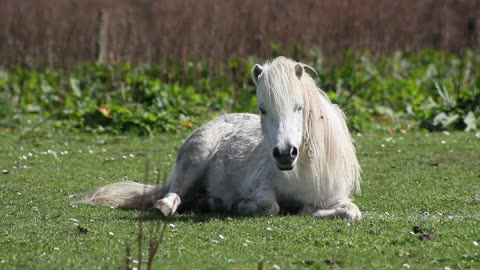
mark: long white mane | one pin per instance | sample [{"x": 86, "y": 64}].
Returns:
[{"x": 326, "y": 145}]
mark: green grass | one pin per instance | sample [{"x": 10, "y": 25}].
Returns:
[{"x": 413, "y": 180}]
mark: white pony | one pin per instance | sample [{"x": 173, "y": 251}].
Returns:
[{"x": 296, "y": 157}]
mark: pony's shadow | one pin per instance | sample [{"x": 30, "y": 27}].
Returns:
[
  {"x": 198, "y": 216},
  {"x": 187, "y": 216}
]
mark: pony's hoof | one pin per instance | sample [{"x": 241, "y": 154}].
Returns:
[
  {"x": 346, "y": 211},
  {"x": 169, "y": 204},
  {"x": 349, "y": 211}
]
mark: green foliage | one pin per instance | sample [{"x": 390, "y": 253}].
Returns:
[{"x": 429, "y": 89}]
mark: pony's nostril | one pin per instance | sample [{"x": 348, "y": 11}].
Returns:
[
  {"x": 293, "y": 152},
  {"x": 276, "y": 152}
]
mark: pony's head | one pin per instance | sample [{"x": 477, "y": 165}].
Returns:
[{"x": 281, "y": 104}]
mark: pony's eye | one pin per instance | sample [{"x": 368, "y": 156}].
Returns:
[
  {"x": 262, "y": 111},
  {"x": 298, "y": 109}
]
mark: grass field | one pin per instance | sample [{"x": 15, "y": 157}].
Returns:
[{"x": 430, "y": 181}]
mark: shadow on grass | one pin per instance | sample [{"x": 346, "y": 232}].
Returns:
[{"x": 190, "y": 216}]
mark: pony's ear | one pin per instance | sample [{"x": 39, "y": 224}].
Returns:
[
  {"x": 298, "y": 70},
  {"x": 256, "y": 71}
]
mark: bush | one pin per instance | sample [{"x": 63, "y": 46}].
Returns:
[{"x": 430, "y": 89}]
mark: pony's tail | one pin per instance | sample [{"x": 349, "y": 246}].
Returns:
[{"x": 128, "y": 194}]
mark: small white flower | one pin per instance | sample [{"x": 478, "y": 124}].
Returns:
[
  {"x": 18, "y": 193},
  {"x": 111, "y": 233},
  {"x": 131, "y": 155},
  {"x": 74, "y": 206},
  {"x": 475, "y": 243},
  {"x": 269, "y": 229},
  {"x": 248, "y": 241},
  {"x": 135, "y": 261},
  {"x": 215, "y": 241},
  {"x": 447, "y": 268},
  {"x": 104, "y": 150},
  {"x": 90, "y": 151},
  {"x": 124, "y": 156},
  {"x": 412, "y": 233},
  {"x": 406, "y": 265},
  {"x": 221, "y": 236},
  {"x": 171, "y": 225},
  {"x": 450, "y": 218},
  {"x": 348, "y": 224},
  {"x": 382, "y": 145},
  {"x": 74, "y": 220},
  {"x": 399, "y": 150},
  {"x": 443, "y": 142},
  {"x": 35, "y": 208},
  {"x": 388, "y": 139},
  {"x": 276, "y": 267},
  {"x": 359, "y": 134},
  {"x": 477, "y": 134},
  {"x": 231, "y": 261},
  {"x": 56, "y": 248},
  {"x": 446, "y": 133}
]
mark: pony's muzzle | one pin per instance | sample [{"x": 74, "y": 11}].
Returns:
[{"x": 285, "y": 158}]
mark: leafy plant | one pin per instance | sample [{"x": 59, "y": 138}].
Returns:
[{"x": 433, "y": 88}]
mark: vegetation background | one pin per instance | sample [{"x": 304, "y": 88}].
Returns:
[{"x": 66, "y": 33}]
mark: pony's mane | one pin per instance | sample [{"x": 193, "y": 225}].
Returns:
[{"x": 327, "y": 146}]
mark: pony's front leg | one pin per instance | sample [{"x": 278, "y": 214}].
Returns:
[
  {"x": 263, "y": 202},
  {"x": 341, "y": 209}
]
